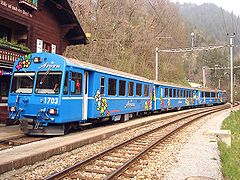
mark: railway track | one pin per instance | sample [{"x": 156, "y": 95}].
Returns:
[
  {"x": 114, "y": 162},
  {"x": 18, "y": 141}
]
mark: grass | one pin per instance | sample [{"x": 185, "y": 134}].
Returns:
[{"x": 230, "y": 156}]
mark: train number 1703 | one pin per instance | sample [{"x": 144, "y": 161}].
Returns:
[{"x": 50, "y": 100}]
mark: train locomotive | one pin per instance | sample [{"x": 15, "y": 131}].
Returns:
[{"x": 51, "y": 94}]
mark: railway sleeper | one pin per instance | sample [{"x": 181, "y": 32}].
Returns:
[
  {"x": 115, "y": 166},
  {"x": 97, "y": 171}
]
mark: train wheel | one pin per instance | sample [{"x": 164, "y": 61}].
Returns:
[{"x": 67, "y": 128}]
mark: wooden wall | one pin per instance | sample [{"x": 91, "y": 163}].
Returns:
[{"x": 41, "y": 23}]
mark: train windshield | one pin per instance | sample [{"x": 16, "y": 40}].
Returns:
[
  {"x": 48, "y": 82},
  {"x": 22, "y": 82}
]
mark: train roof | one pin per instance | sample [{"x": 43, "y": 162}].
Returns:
[
  {"x": 173, "y": 85},
  {"x": 106, "y": 70}
]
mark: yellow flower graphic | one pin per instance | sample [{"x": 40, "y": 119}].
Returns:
[
  {"x": 26, "y": 63},
  {"x": 102, "y": 104}
]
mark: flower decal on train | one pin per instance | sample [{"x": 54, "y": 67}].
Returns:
[
  {"x": 19, "y": 65},
  {"x": 162, "y": 101},
  {"x": 102, "y": 105},
  {"x": 221, "y": 100},
  {"x": 24, "y": 62},
  {"x": 97, "y": 96},
  {"x": 152, "y": 95},
  {"x": 187, "y": 101},
  {"x": 169, "y": 102},
  {"x": 148, "y": 104}
]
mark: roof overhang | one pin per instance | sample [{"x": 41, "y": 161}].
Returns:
[{"x": 71, "y": 28}]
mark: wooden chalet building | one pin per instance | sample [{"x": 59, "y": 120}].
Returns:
[{"x": 33, "y": 26}]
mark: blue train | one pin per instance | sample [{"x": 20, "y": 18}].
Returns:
[{"x": 50, "y": 94}]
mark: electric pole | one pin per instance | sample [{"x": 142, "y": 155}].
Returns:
[
  {"x": 231, "y": 67},
  {"x": 156, "y": 64},
  {"x": 204, "y": 77}
]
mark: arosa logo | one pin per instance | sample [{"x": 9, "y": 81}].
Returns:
[{"x": 50, "y": 66}]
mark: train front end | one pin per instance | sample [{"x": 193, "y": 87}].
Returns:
[{"x": 34, "y": 96}]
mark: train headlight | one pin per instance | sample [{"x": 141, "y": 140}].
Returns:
[
  {"x": 12, "y": 108},
  {"x": 37, "y": 60},
  {"x": 52, "y": 111}
]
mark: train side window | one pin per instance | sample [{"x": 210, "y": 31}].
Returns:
[
  {"x": 178, "y": 93},
  {"x": 77, "y": 78},
  {"x": 188, "y": 94},
  {"x": 146, "y": 90},
  {"x": 102, "y": 85},
  {"x": 138, "y": 89},
  {"x": 207, "y": 94},
  {"x": 130, "y": 88},
  {"x": 166, "y": 92},
  {"x": 65, "y": 90},
  {"x": 181, "y": 93},
  {"x": 170, "y": 92},
  {"x": 174, "y": 93},
  {"x": 112, "y": 83},
  {"x": 122, "y": 88}
]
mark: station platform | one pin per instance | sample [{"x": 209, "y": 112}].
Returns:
[
  {"x": 7, "y": 132},
  {"x": 27, "y": 154}
]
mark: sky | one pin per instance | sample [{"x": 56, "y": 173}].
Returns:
[{"x": 229, "y": 5}]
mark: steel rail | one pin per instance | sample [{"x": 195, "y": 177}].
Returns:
[
  {"x": 131, "y": 161},
  {"x": 73, "y": 168}
]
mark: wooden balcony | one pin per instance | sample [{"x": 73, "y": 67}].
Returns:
[
  {"x": 29, "y": 4},
  {"x": 10, "y": 55}
]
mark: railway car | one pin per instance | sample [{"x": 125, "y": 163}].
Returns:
[
  {"x": 51, "y": 94},
  {"x": 208, "y": 97},
  {"x": 172, "y": 96}
]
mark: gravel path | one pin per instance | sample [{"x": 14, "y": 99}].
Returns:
[{"x": 200, "y": 155}]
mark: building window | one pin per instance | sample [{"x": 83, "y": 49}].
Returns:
[
  {"x": 139, "y": 89},
  {"x": 43, "y": 46},
  {"x": 102, "y": 86},
  {"x": 146, "y": 90},
  {"x": 130, "y": 88},
  {"x": 112, "y": 87},
  {"x": 46, "y": 47},
  {"x": 122, "y": 88},
  {"x": 5, "y": 33}
]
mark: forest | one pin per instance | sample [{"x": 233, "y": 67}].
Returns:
[{"x": 124, "y": 34}]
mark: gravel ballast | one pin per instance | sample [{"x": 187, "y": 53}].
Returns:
[{"x": 199, "y": 157}]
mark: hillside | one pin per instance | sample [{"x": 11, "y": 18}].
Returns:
[
  {"x": 212, "y": 20},
  {"x": 211, "y": 24},
  {"x": 125, "y": 34}
]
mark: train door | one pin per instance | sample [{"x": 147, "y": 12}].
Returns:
[
  {"x": 154, "y": 96},
  {"x": 85, "y": 95}
]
